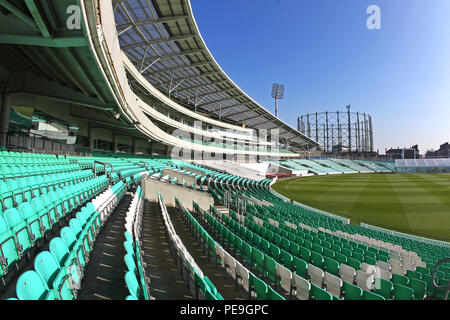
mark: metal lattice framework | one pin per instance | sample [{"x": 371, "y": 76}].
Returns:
[
  {"x": 162, "y": 39},
  {"x": 352, "y": 130}
]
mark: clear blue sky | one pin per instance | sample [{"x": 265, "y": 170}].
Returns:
[{"x": 327, "y": 58}]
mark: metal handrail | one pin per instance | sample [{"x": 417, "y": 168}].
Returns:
[
  {"x": 436, "y": 286},
  {"x": 104, "y": 164}
]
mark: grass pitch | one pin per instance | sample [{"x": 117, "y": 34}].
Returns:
[{"x": 411, "y": 203}]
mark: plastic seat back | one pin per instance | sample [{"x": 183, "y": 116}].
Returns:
[
  {"x": 351, "y": 292},
  {"x": 46, "y": 265},
  {"x": 260, "y": 288},
  {"x": 31, "y": 287},
  {"x": 402, "y": 292},
  {"x": 75, "y": 226},
  {"x": 129, "y": 262},
  {"x": 12, "y": 217},
  {"x": 132, "y": 284},
  {"x": 318, "y": 293},
  {"x": 59, "y": 249},
  {"x": 69, "y": 237},
  {"x": 419, "y": 287},
  {"x": 3, "y": 225}
]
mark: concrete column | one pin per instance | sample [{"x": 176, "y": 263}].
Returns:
[
  {"x": 135, "y": 146},
  {"x": 167, "y": 151},
  {"x": 5, "y": 108},
  {"x": 114, "y": 142},
  {"x": 151, "y": 147},
  {"x": 90, "y": 136}
]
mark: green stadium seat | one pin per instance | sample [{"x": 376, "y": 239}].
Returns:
[
  {"x": 305, "y": 254},
  {"x": 32, "y": 220},
  {"x": 340, "y": 258},
  {"x": 301, "y": 267},
  {"x": 413, "y": 274},
  {"x": 367, "y": 295},
  {"x": 246, "y": 252},
  {"x": 317, "y": 259},
  {"x": 9, "y": 253},
  {"x": 61, "y": 252},
  {"x": 419, "y": 287},
  {"x": 331, "y": 266},
  {"x": 351, "y": 292},
  {"x": 402, "y": 292},
  {"x": 257, "y": 260},
  {"x": 48, "y": 268},
  {"x": 258, "y": 287},
  {"x": 275, "y": 252},
  {"x": 270, "y": 268},
  {"x": 22, "y": 234},
  {"x": 318, "y": 293},
  {"x": 398, "y": 279},
  {"x": 384, "y": 288},
  {"x": 273, "y": 295},
  {"x": 354, "y": 263},
  {"x": 286, "y": 258},
  {"x": 30, "y": 286},
  {"x": 132, "y": 284},
  {"x": 423, "y": 270}
]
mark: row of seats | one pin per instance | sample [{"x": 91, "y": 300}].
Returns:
[
  {"x": 203, "y": 285},
  {"x": 58, "y": 272},
  {"x": 428, "y": 253},
  {"x": 266, "y": 263},
  {"x": 410, "y": 259},
  {"x": 332, "y": 275},
  {"x": 400, "y": 262},
  {"x": 135, "y": 278},
  {"x": 24, "y": 229},
  {"x": 251, "y": 283},
  {"x": 15, "y": 191},
  {"x": 200, "y": 287}
]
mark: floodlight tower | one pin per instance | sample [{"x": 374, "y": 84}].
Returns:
[{"x": 277, "y": 94}]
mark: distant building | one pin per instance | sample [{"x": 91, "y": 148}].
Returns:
[
  {"x": 404, "y": 153},
  {"x": 443, "y": 152}
]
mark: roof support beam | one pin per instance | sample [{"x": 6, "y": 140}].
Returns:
[
  {"x": 19, "y": 13},
  {"x": 124, "y": 30},
  {"x": 143, "y": 59},
  {"x": 150, "y": 65},
  {"x": 221, "y": 100},
  {"x": 38, "y": 18},
  {"x": 147, "y": 22},
  {"x": 182, "y": 80},
  {"x": 204, "y": 85},
  {"x": 201, "y": 75},
  {"x": 155, "y": 41},
  {"x": 260, "y": 122},
  {"x": 235, "y": 105},
  {"x": 217, "y": 92},
  {"x": 241, "y": 113},
  {"x": 185, "y": 66},
  {"x": 61, "y": 42}
]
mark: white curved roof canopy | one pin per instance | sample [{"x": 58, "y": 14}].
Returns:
[{"x": 162, "y": 40}]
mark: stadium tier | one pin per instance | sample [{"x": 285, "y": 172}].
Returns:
[
  {"x": 422, "y": 165},
  {"x": 270, "y": 248},
  {"x": 133, "y": 168}
]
